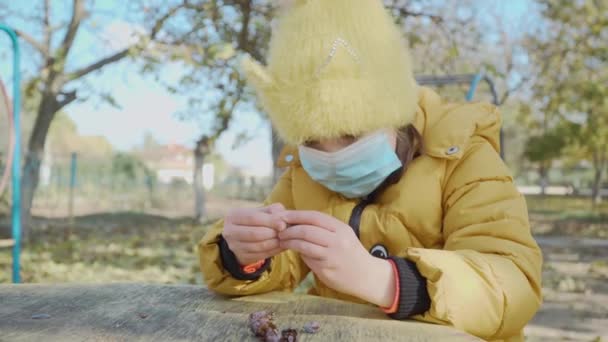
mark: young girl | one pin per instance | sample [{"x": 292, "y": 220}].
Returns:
[{"x": 391, "y": 197}]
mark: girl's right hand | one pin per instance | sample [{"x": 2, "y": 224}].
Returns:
[{"x": 252, "y": 233}]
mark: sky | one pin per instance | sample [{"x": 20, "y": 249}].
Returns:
[{"x": 147, "y": 107}]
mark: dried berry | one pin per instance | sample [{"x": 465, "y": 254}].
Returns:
[
  {"x": 260, "y": 315},
  {"x": 312, "y": 327},
  {"x": 258, "y": 322},
  {"x": 272, "y": 336},
  {"x": 289, "y": 335},
  {"x": 261, "y": 325}
]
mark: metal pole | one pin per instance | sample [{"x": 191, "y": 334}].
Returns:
[
  {"x": 72, "y": 186},
  {"x": 16, "y": 172},
  {"x": 473, "y": 88}
]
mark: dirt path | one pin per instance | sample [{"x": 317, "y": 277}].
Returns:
[{"x": 575, "y": 288}]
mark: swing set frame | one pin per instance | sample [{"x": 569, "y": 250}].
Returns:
[{"x": 15, "y": 242}]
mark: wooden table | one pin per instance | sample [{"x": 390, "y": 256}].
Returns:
[{"x": 145, "y": 312}]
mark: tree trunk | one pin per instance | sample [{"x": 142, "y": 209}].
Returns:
[
  {"x": 33, "y": 158},
  {"x": 599, "y": 166},
  {"x": 200, "y": 151},
  {"x": 199, "y": 190},
  {"x": 277, "y": 146},
  {"x": 596, "y": 194},
  {"x": 542, "y": 172}
]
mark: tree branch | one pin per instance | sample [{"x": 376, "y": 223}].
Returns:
[
  {"x": 403, "y": 12},
  {"x": 243, "y": 40},
  {"x": 161, "y": 21},
  {"x": 77, "y": 15},
  {"x": 33, "y": 42},
  {"x": 97, "y": 65},
  {"x": 225, "y": 120},
  {"x": 509, "y": 91},
  {"x": 187, "y": 5},
  {"x": 66, "y": 99},
  {"x": 121, "y": 54},
  {"x": 48, "y": 30}
]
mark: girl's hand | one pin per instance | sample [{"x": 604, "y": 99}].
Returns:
[
  {"x": 251, "y": 233},
  {"x": 334, "y": 253}
]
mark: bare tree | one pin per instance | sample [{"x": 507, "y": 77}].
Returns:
[{"x": 56, "y": 85}]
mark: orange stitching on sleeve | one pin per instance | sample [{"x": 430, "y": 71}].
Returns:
[{"x": 252, "y": 268}]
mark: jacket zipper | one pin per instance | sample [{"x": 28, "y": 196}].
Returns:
[{"x": 355, "y": 217}]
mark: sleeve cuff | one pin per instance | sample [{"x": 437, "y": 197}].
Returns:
[
  {"x": 232, "y": 266},
  {"x": 393, "y": 308},
  {"x": 413, "y": 297}
]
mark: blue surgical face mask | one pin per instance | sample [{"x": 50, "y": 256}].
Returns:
[{"x": 356, "y": 170}]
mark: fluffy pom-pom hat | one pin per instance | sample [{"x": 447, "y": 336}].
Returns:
[{"x": 335, "y": 68}]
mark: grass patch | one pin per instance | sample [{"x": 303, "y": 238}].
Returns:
[
  {"x": 110, "y": 248},
  {"x": 572, "y": 216},
  {"x": 565, "y": 204},
  {"x": 128, "y": 246}
]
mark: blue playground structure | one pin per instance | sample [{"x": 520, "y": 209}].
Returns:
[{"x": 16, "y": 156}]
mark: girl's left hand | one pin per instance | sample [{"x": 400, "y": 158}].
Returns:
[{"x": 334, "y": 253}]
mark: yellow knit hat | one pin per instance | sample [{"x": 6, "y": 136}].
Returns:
[{"x": 335, "y": 67}]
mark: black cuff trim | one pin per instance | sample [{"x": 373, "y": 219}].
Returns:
[
  {"x": 231, "y": 264},
  {"x": 413, "y": 296}
]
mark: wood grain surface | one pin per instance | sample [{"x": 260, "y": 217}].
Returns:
[{"x": 145, "y": 312}]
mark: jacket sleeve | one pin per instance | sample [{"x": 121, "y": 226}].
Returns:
[
  {"x": 285, "y": 271},
  {"x": 486, "y": 280}
]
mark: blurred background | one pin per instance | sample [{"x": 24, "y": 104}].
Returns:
[{"x": 138, "y": 131}]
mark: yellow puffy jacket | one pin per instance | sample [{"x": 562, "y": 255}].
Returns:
[{"x": 455, "y": 212}]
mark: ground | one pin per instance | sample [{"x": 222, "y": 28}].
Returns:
[
  {"x": 141, "y": 247},
  {"x": 574, "y": 241}
]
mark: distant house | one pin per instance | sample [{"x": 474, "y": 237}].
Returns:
[{"x": 170, "y": 162}]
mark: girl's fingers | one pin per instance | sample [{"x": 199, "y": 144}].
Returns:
[
  {"x": 314, "y": 264},
  {"x": 256, "y": 247},
  {"x": 312, "y": 234},
  {"x": 263, "y": 256},
  {"x": 274, "y": 208},
  {"x": 249, "y": 233},
  {"x": 312, "y": 218},
  {"x": 305, "y": 248},
  {"x": 254, "y": 217}
]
